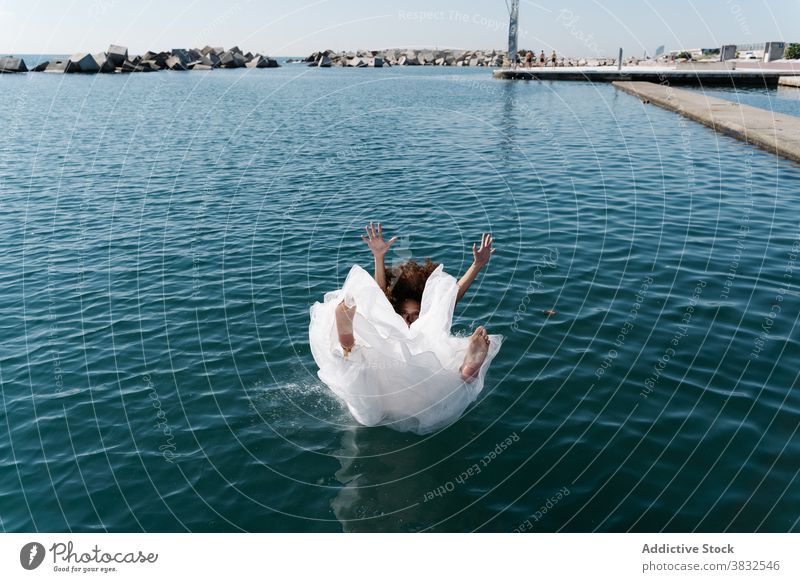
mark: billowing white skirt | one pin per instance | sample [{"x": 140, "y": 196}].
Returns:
[{"x": 404, "y": 377}]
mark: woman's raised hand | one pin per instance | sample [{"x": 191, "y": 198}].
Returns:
[
  {"x": 482, "y": 254},
  {"x": 375, "y": 242}
]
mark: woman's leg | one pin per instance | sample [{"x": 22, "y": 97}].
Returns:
[
  {"x": 476, "y": 354},
  {"x": 344, "y": 326}
]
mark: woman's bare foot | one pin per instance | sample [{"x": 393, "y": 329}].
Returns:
[
  {"x": 344, "y": 326},
  {"x": 476, "y": 354}
]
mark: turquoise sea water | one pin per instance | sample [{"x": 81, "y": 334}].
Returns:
[
  {"x": 164, "y": 235},
  {"x": 781, "y": 100}
]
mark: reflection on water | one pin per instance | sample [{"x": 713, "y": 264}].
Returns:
[
  {"x": 401, "y": 483},
  {"x": 789, "y": 93},
  {"x": 383, "y": 483}
]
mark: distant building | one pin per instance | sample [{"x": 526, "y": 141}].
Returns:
[
  {"x": 727, "y": 52},
  {"x": 752, "y": 47},
  {"x": 774, "y": 51},
  {"x": 766, "y": 51}
]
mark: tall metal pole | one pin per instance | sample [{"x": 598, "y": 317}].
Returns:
[{"x": 513, "y": 29}]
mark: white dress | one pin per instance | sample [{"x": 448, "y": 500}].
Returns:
[{"x": 404, "y": 377}]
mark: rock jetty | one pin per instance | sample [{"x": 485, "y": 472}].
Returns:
[
  {"x": 407, "y": 57},
  {"x": 12, "y": 65},
  {"x": 117, "y": 60}
]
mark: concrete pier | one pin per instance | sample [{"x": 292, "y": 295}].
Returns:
[
  {"x": 790, "y": 81},
  {"x": 774, "y": 132},
  {"x": 696, "y": 76}
]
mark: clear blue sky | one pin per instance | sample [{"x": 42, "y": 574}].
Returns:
[{"x": 574, "y": 28}]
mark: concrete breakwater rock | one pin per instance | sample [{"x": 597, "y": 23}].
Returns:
[
  {"x": 407, "y": 57},
  {"x": 117, "y": 60},
  {"x": 12, "y": 65}
]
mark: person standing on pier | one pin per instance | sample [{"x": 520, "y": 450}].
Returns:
[
  {"x": 542, "y": 59},
  {"x": 529, "y": 59},
  {"x": 553, "y": 58}
]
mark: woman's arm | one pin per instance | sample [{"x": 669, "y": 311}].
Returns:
[
  {"x": 480, "y": 257},
  {"x": 378, "y": 246}
]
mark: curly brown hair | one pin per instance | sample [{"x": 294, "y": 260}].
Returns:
[{"x": 407, "y": 281}]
